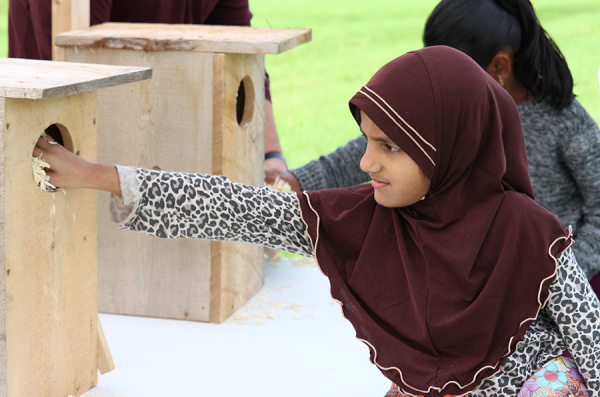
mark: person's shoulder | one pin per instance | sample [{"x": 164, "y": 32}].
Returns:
[
  {"x": 575, "y": 111},
  {"x": 533, "y": 107},
  {"x": 535, "y": 114},
  {"x": 567, "y": 121},
  {"x": 578, "y": 121}
]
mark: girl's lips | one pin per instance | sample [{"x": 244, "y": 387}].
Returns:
[{"x": 378, "y": 184}]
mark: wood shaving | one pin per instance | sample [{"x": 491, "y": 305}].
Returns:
[
  {"x": 271, "y": 315},
  {"x": 280, "y": 185},
  {"x": 262, "y": 309},
  {"x": 308, "y": 316},
  {"x": 38, "y": 166},
  {"x": 294, "y": 306}
]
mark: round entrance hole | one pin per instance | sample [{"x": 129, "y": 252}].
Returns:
[{"x": 244, "y": 103}]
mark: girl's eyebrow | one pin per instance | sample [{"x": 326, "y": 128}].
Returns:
[{"x": 385, "y": 139}]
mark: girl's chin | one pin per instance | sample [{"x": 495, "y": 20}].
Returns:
[
  {"x": 384, "y": 201},
  {"x": 390, "y": 202}
]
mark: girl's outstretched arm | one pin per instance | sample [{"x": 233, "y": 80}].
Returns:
[
  {"x": 181, "y": 205},
  {"x": 68, "y": 170}
]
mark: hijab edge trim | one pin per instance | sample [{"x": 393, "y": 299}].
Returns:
[
  {"x": 400, "y": 117},
  {"x": 402, "y": 128},
  {"x": 541, "y": 304}
]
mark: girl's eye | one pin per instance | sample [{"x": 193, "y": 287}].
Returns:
[{"x": 392, "y": 149}]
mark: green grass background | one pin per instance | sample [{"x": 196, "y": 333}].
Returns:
[{"x": 312, "y": 84}]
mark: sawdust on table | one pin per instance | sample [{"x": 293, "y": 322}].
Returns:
[{"x": 261, "y": 309}]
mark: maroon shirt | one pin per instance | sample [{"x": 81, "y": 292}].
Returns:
[{"x": 30, "y": 21}]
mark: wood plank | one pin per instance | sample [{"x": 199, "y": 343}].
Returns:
[
  {"x": 198, "y": 38},
  {"x": 68, "y": 15},
  {"x": 238, "y": 152},
  {"x": 34, "y": 79},
  {"x": 47, "y": 255},
  {"x": 165, "y": 122},
  {"x": 105, "y": 360},
  {"x": 3, "y": 373}
]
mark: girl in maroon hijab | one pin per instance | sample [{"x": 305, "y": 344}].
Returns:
[{"x": 457, "y": 281}]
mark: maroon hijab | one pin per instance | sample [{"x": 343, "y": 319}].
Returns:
[{"x": 443, "y": 290}]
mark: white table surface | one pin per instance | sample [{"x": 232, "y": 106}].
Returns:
[{"x": 290, "y": 340}]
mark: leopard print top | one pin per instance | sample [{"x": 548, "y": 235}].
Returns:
[{"x": 180, "y": 205}]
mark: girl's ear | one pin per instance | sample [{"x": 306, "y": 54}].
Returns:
[{"x": 501, "y": 66}]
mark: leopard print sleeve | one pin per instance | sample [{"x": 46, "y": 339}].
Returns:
[
  {"x": 575, "y": 309},
  {"x": 181, "y": 205}
]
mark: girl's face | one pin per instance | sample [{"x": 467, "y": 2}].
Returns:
[{"x": 397, "y": 179}]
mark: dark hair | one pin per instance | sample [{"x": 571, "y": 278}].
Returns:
[{"x": 481, "y": 28}]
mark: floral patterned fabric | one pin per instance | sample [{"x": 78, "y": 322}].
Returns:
[{"x": 557, "y": 378}]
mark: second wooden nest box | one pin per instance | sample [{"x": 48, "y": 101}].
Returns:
[{"x": 202, "y": 112}]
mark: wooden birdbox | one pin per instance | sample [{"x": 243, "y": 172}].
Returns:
[
  {"x": 203, "y": 112},
  {"x": 51, "y": 342}
]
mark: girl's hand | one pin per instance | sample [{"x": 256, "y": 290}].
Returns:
[
  {"x": 272, "y": 175},
  {"x": 67, "y": 170}
]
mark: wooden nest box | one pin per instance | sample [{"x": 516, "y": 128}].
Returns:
[
  {"x": 202, "y": 112},
  {"x": 51, "y": 341}
]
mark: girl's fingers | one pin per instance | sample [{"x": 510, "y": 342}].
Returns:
[
  {"x": 47, "y": 138},
  {"x": 45, "y": 142},
  {"x": 42, "y": 144},
  {"x": 37, "y": 152}
]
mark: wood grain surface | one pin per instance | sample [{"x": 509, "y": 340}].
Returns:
[
  {"x": 198, "y": 38},
  {"x": 34, "y": 79}
]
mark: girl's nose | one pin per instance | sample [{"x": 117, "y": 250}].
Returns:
[{"x": 370, "y": 162}]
